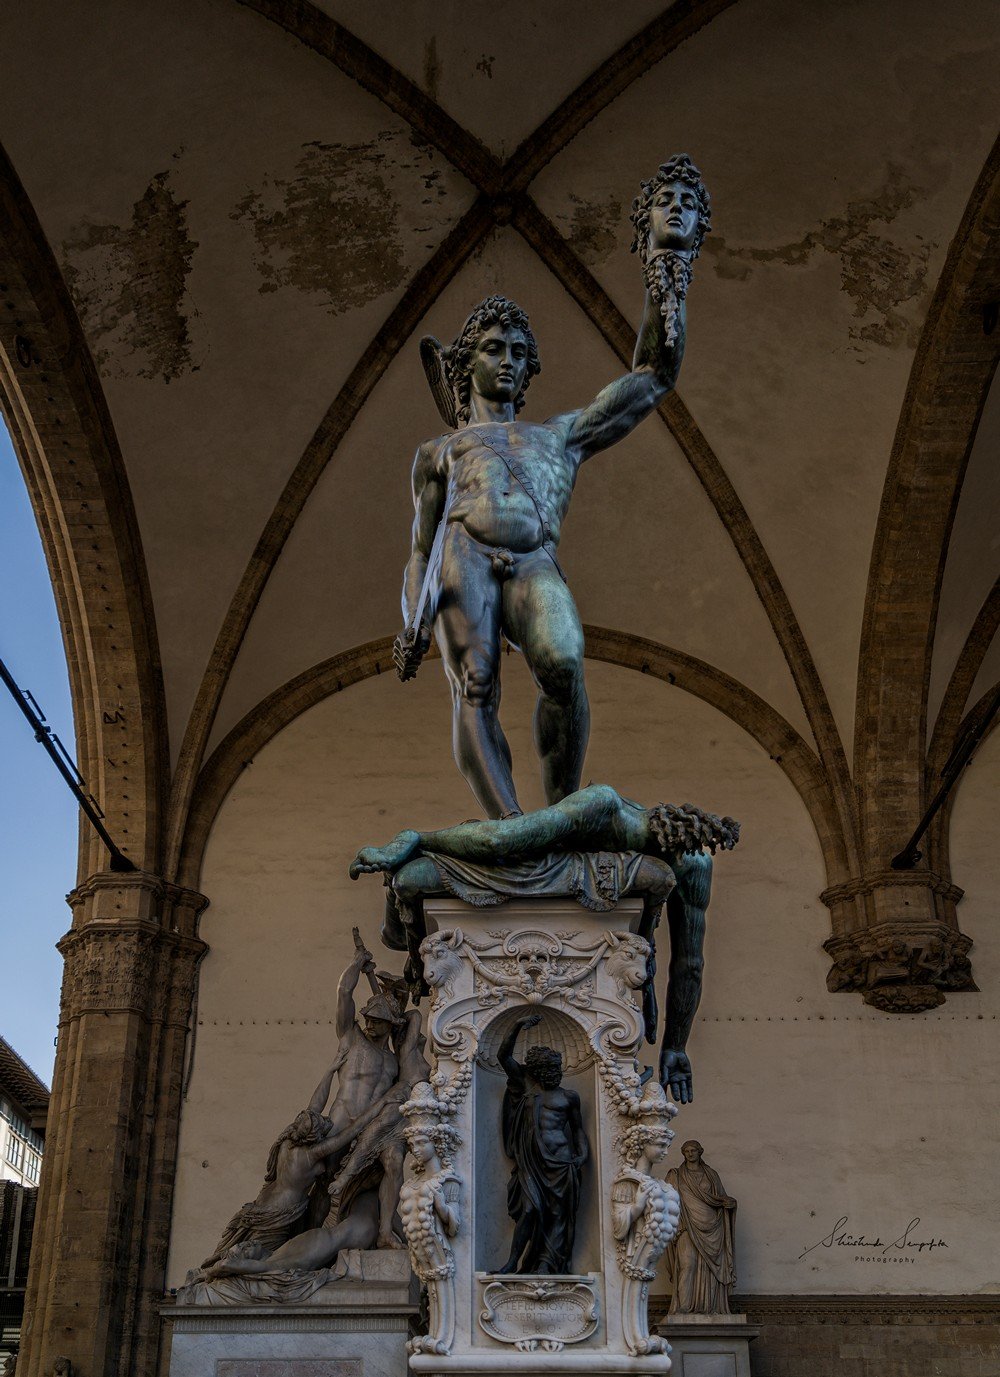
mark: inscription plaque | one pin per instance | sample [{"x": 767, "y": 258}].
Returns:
[{"x": 539, "y": 1312}]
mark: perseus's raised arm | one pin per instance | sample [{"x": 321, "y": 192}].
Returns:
[
  {"x": 618, "y": 408},
  {"x": 671, "y": 217}
]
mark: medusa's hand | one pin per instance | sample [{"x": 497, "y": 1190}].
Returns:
[{"x": 676, "y": 1075}]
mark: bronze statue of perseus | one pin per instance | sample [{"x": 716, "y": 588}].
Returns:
[{"x": 492, "y": 492}]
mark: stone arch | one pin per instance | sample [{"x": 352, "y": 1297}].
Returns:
[
  {"x": 784, "y": 745},
  {"x": 949, "y": 382},
  {"x": 61, "y": 429}
]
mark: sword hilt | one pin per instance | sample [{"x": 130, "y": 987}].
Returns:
[{"x": 360, "y": 947}]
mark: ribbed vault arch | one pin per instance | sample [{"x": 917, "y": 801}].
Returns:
[
  {"x": 949, "y": 382},
  {"x": 951, "y": 724},
  {"x": 771, "y": 731},
  {"x": 62, "y": 432}
]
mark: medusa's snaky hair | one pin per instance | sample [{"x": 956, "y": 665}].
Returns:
[
  {"x": 495, "y": 310},
  {"x": 679, "y": 168}
]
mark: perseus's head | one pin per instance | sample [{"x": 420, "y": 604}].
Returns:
[
  {"x": 495, "y": 355},
  {"x": 672, "y": 211}
]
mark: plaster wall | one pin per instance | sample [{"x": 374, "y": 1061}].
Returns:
[{"x": 811, "y": 1106}]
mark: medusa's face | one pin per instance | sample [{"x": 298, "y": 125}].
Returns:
[{"x": 673, "y": 217}]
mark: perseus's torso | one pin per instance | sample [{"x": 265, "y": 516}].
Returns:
[{"x": 486, "y": 497}]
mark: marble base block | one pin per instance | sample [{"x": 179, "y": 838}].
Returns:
[
  {"x": 356, "y": 1327},
  {"x": 708, "y": 1345}
]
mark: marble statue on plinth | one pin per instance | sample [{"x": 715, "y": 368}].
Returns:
[
  {"x": 492, "y": 493},
  {"x": 543, "y": 1135},
  {"x": 700, "y": 1261},
  {"x": 597, "y": 847}
]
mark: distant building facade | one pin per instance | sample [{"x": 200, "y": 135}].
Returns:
[{"x": 24, "y": 1100}]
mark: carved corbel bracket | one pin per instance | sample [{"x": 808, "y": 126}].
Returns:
[
  {"x": 896, "y": 940},
  {"x": 901, "y": 970}
]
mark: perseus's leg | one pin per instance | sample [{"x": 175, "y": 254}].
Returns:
[
  {"x": 467, "y": 628},
  {"x": 543, "y": 620}
]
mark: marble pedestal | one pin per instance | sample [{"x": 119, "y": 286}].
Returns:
[
  {"x": 349, "y": 1328},
  {"x": 581, "y": 971},
  {"x": 708, "y": 1345}
]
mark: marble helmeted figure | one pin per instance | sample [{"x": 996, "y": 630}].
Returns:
[{"x": 491, "y": 495}]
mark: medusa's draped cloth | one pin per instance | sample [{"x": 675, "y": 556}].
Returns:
[
  {"x": 265, "y": 1225},
  {"x": 595, "y": 879},
  {"x": 544, "y": 1187}
]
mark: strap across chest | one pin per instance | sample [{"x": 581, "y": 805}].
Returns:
[{"x": 520, "y": 475}]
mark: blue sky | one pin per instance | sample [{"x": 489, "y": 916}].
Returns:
[{"x": 38, "y": 815}]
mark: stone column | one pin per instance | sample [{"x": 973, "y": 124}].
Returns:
[{"x": 99, "y": 1251}]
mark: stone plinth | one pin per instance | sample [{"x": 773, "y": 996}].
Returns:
[
  {"x": 357, "y": 1327},
  {"x": 708, "y": 1345},
  {"x": 582, "y": 972}
]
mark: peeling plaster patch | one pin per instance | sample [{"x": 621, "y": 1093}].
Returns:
[
  {"x": 485, "y": 65},
  {"x": 129, "y": 283},
  {"x": 593, "y": 227},
  {"x": 334, "y": 228},
  {"x": 881, "y": 277}
]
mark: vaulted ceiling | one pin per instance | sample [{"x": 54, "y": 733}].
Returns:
[{"x": 249, "y": 210}]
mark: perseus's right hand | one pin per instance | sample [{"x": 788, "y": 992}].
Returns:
[{"x": 409, "y": 648}]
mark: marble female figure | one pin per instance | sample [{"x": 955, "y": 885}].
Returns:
[{"x": 700, "y": 1261}]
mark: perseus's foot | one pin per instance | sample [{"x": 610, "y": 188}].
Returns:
[{"x": 371, "y": 859}]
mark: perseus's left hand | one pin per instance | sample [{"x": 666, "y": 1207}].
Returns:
[{"x": 676, "y": 1076}]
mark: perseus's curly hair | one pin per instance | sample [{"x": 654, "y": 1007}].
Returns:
[
  {"x": 495, "y": 310},
  {"x": 681, "y": 829},
  {"x": 679, "y": 168},
  {"x": 544, "y": 1065}
]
